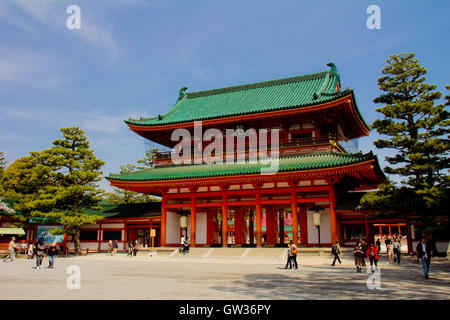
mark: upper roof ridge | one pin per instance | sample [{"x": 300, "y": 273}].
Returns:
[{"x": 258, "y": 84}]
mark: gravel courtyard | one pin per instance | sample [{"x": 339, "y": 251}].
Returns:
[{"x": 141, "y": 277}]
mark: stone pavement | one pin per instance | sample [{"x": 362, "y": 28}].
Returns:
[{"x": 196, "y": 278}]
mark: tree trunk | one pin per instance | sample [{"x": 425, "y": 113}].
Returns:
[{"x": 76, "y": 241}]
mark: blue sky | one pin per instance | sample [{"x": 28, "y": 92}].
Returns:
[{"x": 131, "y": 57}]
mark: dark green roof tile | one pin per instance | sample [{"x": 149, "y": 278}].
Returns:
[
  {"x": 251, "y": 98},
  {"x": 286, "y": 163}
]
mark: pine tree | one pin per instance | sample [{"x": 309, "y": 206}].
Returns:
[
  {"x": 59, "y": 182},
  {"x": 416, "y": 128}
]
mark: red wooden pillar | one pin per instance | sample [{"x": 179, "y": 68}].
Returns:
[
  {"x": 294, "y": 217},
  {"x": 238, "y": 226},
  {"x": 281, "y": 222},
  {"x": 271, "y": 226},
  {"x": 333, "y": 223},
  {"x": 366, "y": 224},
  {"x": 251, "y": 226},
  {"x": 163, "y": 221},
  {"x": 224, "y": 221},
  {"x": 193, "y": 222},
  {"x": 99, "y": 236},
  {"x": 409, "y": 236},
  {"x": 258, "y": 219},
  {"x": 303, "y": 226}
]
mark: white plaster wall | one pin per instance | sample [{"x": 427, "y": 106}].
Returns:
[
  {"x": 200, "y": 228},
  {"x": 325, "y": 227},
  {"x": 104, "y": 246},
  {"x": 90, "y": 226},
  {"x": 172, "y": 228},
  {"x": 90, "y": 245},
  {"x": 113, "y": 226}
]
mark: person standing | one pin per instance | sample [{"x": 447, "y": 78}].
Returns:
[
  {"x": 390, "y": 251},
  {"x": 397, "y": 250},
  {"x": 11, "y": 250},
  {"x": 423, "y": 250},
  {"x": 372, "y": 254},
  {"x": 336, "y": 251},
  {"x": 294, "y": 251},
  {"x": 110, "y": 247},
  {"x": 186, "y": 244},
  {"x": 115, "y": 246},
  {"x": 136, "y": 247},
  {"x": 358, "y": 252},
  {"x": 289, "y": 258},
  {"x": 130, "y": 249},
  {"x": 52, "y": 252},
  {"x": 378, "y": 243},
  {"x": 182, "y": 244},
  {"x": 40, "y": 249},
  {"x": 387, "y": 242}
]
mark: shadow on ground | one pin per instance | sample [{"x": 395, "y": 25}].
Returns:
[{"x": 339, "y": 283}]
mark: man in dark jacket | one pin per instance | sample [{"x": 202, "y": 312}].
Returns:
[{"x": 423, "y": 250}]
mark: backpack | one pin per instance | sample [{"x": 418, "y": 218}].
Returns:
[{"x": 294, "y": 250}]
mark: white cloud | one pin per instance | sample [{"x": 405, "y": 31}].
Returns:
[
  {"x": 39, "y": 70},
  {"x": 52, "y": 13}
]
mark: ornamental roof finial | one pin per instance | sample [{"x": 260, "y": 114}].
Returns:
[
  {"x": 333, "y": 67},
  {"x": 182, "y": 93}
]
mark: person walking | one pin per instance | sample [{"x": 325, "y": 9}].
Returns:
[
  {"x": 378, "y": 243},
  {"x": 358, "y": 252},
  {"x": 12, "y": 247},
  {"x": 387, "y": 242},
  {"x": 51, "y": 253},
  {"x": 39, "y": 251},
  {"x": 110, "y": 247},
  {"x": 397, "y": 250},
  {"x": 390, "y": 251},
  {"x": 115, "y": 247},
  {"x": 130, "y": 249},
  {"x": 336, "y": 251},
  {"x": 182, "y": 244},
  {"x": 372, "y": 254},
  {"x": 289, "y": 258},
  {"x": 294, "y": 251},
  {"x": 424, "y": 251},
  {"x": 136, "y": 247},
  {"x": 186, "y": 244}
]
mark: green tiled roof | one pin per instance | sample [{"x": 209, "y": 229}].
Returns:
[
  {"x": 251, "y": 98},
  {"x": 286, "y": 163}
]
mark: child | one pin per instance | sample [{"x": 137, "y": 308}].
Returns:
[{"x": 391, "y": 253}]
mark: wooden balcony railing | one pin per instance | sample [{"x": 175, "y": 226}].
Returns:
[{"x": 286, "y": 146}]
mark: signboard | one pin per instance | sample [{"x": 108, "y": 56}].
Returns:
[
  {"x": 152, "y": 232},
  {"x": 43, "y": 232}
]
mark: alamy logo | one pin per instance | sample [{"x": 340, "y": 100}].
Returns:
[
  {"x": 374, "y": 20},
  {"x": 74, "y": 278},
  {"x": 74, "y": 20},
  {"x": 240, "y": 146},
  {"x": 374, "y": 279}
]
